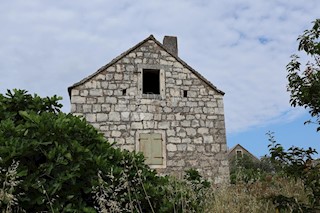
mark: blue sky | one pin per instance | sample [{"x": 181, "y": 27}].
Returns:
[{"x": 242, "y": 47}]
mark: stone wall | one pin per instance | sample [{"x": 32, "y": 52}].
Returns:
[{"x": 193, "y": 126}]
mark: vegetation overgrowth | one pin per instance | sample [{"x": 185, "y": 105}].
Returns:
[
  {"x": 286, "y": 181},
  {"x": 57, "y": 162}
]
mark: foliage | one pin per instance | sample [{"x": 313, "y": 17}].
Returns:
[
  {"x": 20, "y": 100},
  {"x": 304, "y": 85},
  {"x": 195, "y": 178},
  {"x": 129, "y": 189},
  {"x": 169, "y": 195},
  {"x": 246, "y": 169},
  {"x": 200, "y": 190},
  {"x": 259, "y": 183},
  {"x": 297, "y": 163}
]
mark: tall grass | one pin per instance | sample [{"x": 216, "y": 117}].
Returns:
[
  {"x": 184, "y": 196},
  {"x": 179, "y": 195},
  {"x": 255, "y": 197}
]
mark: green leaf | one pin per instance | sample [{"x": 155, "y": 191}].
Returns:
[
  {"x": 22, "y": 173},
  {"x": 68, "y": 156}
]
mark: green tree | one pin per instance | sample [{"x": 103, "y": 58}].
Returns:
[
  {"x": 304, "y": 86},
  {"x": 304, "y": 83}
]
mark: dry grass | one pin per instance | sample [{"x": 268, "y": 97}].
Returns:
[
  {"x": 8, "y": 200},
  {"x": 253, "y": 197}
]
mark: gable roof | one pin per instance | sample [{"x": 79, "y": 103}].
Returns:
[
  {"x": 241, "y": 147},
  {"x": 151, "y": 37}
]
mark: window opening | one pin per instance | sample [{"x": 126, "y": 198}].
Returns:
[
  {"x": 185, "y": 93},
  {"x": 151, "y": 81},
  {"x": 239, "y": 153},
  {"x": 124, "y": 91}
]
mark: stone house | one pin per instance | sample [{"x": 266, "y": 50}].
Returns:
[
  {"x": 240, "y": 151},
  {"x": 149, "y": 100}
]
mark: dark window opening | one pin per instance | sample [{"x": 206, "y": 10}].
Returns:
[
  {"x": 124, "y": 91},
  {"x": 151, "y": 81},
  {"x": 239, "y": 153},
  {"x": 185, "y": 93}
]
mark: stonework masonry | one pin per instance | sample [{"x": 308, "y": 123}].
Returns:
[{"x": 188, "y": 112}]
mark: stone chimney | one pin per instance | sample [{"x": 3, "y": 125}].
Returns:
[{"x": 171, "y": 44}]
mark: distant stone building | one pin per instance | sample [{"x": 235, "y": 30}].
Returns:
[
  {"x": 149, "y": 100},
  {"x": 239, "y": 151}
]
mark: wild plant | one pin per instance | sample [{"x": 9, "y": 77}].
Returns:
[
  {"x": 135, "y": 193},
  {"x": 9, "y": 181},
  {"x": 298, "y": 164}
]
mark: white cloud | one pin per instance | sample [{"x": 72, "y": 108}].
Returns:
[{"x": 240, "y": 46}]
